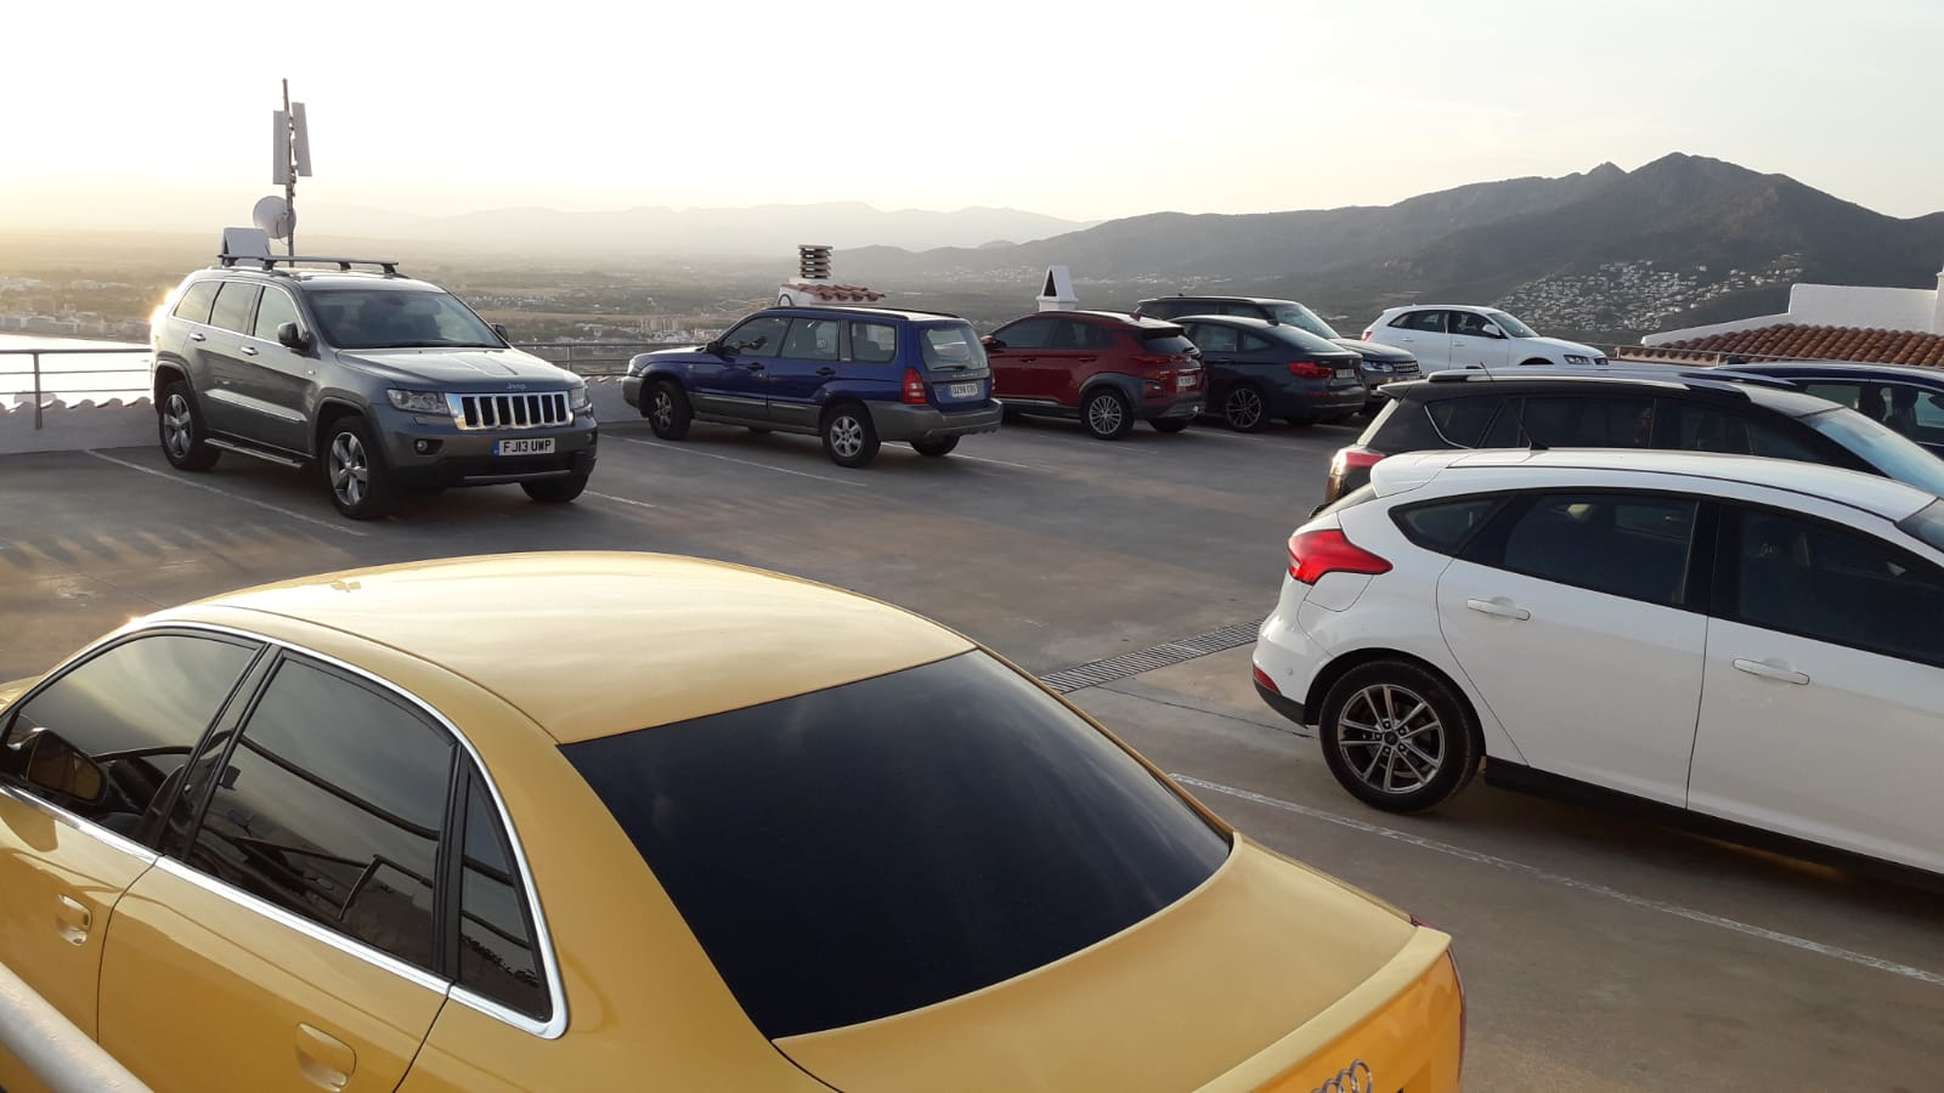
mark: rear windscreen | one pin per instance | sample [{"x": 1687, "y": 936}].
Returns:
[
  {"x": 951, "y": 347},
  {"x": 1167, "y": 339},
  {"x": 872, "y": 848}
]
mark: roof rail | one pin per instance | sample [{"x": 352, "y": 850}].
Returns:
[{"x": 270, "y": 262}]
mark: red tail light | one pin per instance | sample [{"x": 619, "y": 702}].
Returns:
[
  {"x": 1312, "y": 554},
  {"x": 1354, "y": 458},
  {"x": 1368, "y": 331},
  {"x": 1262, "y": 679},
  {"x": 914, "y": 387},
  {"x": 1310, "y": 370}
]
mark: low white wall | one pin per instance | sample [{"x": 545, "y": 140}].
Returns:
[
  {"x": 118, "y": 423},
  {"x": 1862, "y": 306},
  {"x": 1754, "y": 323}
]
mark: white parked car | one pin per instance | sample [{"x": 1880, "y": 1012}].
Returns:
[
  {"x": 1748, "y": 643},
  {"x": 1461, "y": 336}
]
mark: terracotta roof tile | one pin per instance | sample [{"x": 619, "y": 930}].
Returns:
[
  {"x": 857, "y": 294},
  {"x": 1798, "y": 341}
]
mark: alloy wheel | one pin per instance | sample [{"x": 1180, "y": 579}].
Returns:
[
  {"x": 663, "y": 413},
  {"x": 846, "y": 436},
  {"x": 350, "y": 470},
  {"x": 1391, "y": 738},
  {"x": 178, "y": 427},
  {"x": 1104, "y": 415},
  {"x": 1243, "y": 410}
]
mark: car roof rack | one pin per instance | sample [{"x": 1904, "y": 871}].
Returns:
[{"x": 270, "y": 262}]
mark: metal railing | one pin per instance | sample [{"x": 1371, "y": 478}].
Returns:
[{"x": 41, "y": 389}]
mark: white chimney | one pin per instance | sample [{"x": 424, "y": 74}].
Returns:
[
  {"x": 1056, "y": 292},
  {"x": 1937, "y": 309}
]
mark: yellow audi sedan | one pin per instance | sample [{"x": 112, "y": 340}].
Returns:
[{"x": 622, "y": 821}]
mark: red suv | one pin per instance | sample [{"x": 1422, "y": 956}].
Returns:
[{"x": 1103, "y": 367}]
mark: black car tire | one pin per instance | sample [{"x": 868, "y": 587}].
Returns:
[
  {"x": 179, "y": 425},
  {"x": 668, "y": 411},
  {"x": 1244, "y": 409},
  {"x": 1106, "y": 414},
  {"x": 1373, "y": 714},
  {"x": 556, "y": 491},
  {"x": 849, "y": 437},
  {"x": 936, "y": 446},
  {"x": 354, "y": 470},
  {"x": 1169, "y": 424}
]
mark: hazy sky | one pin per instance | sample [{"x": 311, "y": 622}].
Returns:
[{"x": 144, "y": 114}]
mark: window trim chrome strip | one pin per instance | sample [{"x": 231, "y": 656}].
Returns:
[
  {"x": 82, "y": 824},
  {"x": 551, "y": 1029}
]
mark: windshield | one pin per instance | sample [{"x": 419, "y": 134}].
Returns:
[
  {"x": 951, "y": 347},
  {"x": 868, "y": 849},
  {"x": 377, "y": 318},
  {"x": 1926, "y": 525},
  {"x": 1881, "y": 447},
  {"x": 1513, "y": 328},
  {"x": 1303, "y": 318}
]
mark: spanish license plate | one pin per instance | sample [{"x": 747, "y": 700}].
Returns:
[
  {"x": 533, "y": 446},
  {"x": 963, "y": 390},
  {"x": 1345, "y": 373},
  {"x": 1184, "y": 382}
]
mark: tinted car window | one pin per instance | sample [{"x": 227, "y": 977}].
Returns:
[
  {"x": 1095, "y": 336},
  {"x": 1817, "y": 580},
  {"x": 1166, "y": 309},
  {"x": 1427, "y": 321},
  {"x": 195, "y": 301},
  {"x": 235, "y": 303},
  {"x": 1619, "y": 544},
  {"x": 1026, "y": 334},
  {"x": 874, "y": 343},
  {"x": 950, "y": 347},
  {"x": 1171, "y": 342},
  {"x": 377, "y": 318},
  {"x": 1470, "y": 324},
  {"x": 1403, "y": 426},
  {"x": 1445, "y": 526},
  {"x": 136, "y": 710},
  {"x": 1253, "y": 344},
  {"x": 1697, "y": 428},
  {"x": 1462, "y": 421},
  {"x": 759, "y": 337},
  {"x": 868, "y": 849},
  {"x": 1926, "y": 525},
  {"x": 1210, "y": 338},
  {"x": 811, "y": 340},
  {"x": 1589, "y": 422},
  {"x": 275, "y": 309},
  {"x": 331, "y": 806},
  {"x": 496, "y": 951},
  {"x": 1881, "y": 447}
]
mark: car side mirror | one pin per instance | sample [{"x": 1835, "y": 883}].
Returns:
[
  {"x": 991, "y": 342},
  {"x": 716, "y": 349},
  {"x": 292, "y": 336},
  {"x": 500, "y": 329},
  {"x": 54, "y": 765},
  {"x": 1491, "y": 330}
]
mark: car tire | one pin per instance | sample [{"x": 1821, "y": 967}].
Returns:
[
  {"x": 354, "y": 471},
  {"x": 1169, "y": 424},
  {"x": 556, "y": 491},
  {"x": 668, "y": 411},
  {"x": 179, "y": 425},
  {"x": 1397, "y": 736},
  {"x": 935, "y": 447},
  {"x": 1106, "y": 414},
  {"x": 1244, "y": 409},
  {"x": 849, "y": 438}
]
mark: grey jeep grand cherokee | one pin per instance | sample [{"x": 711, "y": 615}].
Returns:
[{"x": 380, "y": 382}]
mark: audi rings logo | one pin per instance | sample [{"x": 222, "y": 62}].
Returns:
[{"x": 1355, "y": 1078}]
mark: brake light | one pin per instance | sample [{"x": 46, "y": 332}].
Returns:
[
  {"x": 914, "y": 387},
  {"x": 1262, "y": 679},
  {"x": 1368, "y": 331},
  {"x": 1310, "y": 370},
  {"x": 1313, "y": 554},
  {"x": 1354, "y": 458}
]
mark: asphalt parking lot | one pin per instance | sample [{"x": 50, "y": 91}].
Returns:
[{"x": 1599, "y": 953}]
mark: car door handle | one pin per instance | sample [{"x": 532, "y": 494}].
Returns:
[
  {"x": 826, "y": 371},
  {"x": 249, "y": 350},
  {"x": 754, "y": 367},
  {"x": 1499, "y": 608},
  {"x": 1781, "y": 673},
  {"x": 198, "y": 336},
  {"x": 72, "y": 920},
  {"x": 325, "y": 1061}
]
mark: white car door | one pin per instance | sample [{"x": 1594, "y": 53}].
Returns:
[
  {"x": 1422, "y": 332},
  {"x": 1568, "y": 614},
  {"x": 1474, "y": 340},
  {"x": 1823, "y": 715}
]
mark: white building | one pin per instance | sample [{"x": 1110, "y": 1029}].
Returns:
[{"x": 1831, "y": 322}]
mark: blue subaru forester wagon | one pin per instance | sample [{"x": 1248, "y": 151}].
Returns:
[{"x": 854, "y": 376}]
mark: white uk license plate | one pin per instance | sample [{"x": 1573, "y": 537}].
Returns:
[
  {"x": 964, "y": 390},
  {"x": 534, "y": 446}
]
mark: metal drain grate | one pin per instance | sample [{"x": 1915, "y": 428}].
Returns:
[{"x": 1095, "y": 673}]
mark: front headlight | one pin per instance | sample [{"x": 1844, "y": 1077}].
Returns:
[
  {"x": 580, "y": 401},
  {"x": 417, "y": 402},
  {"x": 1377, "y": 366},
  {"x": 1575, "y": 358}
]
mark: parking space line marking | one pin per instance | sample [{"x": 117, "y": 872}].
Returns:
[
  {"x": 339, "y": 528},
  {"x": 621, "y": 500},
  {"x": 1001, "y": 462},
  {"x": 744, "y": 462},
  {"x": 1480, "y": 858}
]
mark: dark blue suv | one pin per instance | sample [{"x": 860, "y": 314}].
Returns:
[{"x": 854, "y": 376}]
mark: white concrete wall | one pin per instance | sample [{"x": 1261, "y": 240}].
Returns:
[
  {"x": 1755, "y": 323},
  {"x": 1836, "y": 305}
]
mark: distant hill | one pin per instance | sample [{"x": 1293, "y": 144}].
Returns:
[
  {"x": 770, "y": 231},
  {"x": 1610, "y": 252}
]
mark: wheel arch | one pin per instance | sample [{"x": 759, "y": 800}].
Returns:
[
  {"x": 167, "y": 370},
  {"x": 330, "y": 409},
  {"x": 1341, "y": 666},
  {"x": 1128, "y": 386}
]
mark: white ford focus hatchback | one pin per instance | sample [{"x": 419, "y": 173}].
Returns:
[{"x": 1754, "y": 645}]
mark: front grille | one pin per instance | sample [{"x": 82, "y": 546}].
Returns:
[{"x": 547, "y": 409}]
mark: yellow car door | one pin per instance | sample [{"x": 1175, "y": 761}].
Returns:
[
  {"x": 87, "y": 759},
  {"x": 287, "y": 938}
]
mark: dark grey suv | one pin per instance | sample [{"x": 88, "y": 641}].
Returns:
[{"x": 380, "y": 382}]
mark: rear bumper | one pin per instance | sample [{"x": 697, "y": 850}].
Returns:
[
  {"x": 1181, "y": 406},
  {"x": 1319, "y": 402},
  {"x": 899, "y": 421}
]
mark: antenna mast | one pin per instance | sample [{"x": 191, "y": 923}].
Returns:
[{"x": 290, "y": 170}]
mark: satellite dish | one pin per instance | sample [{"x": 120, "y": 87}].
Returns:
[{"x": 275, "y": 216}]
